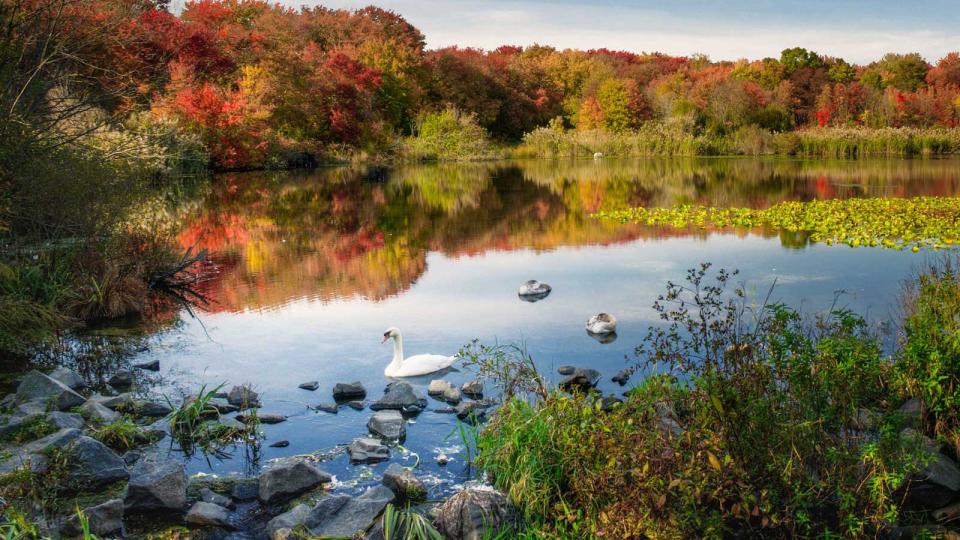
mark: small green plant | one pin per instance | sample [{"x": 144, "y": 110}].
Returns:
[
  {"x": 407, "y": 525},
  {"x": 121, "y": 435},
  {"x": 194, "y": 411},
  {"x": 17, "y": 526},
  {"x": 196, "y": 423},
  {"x": 32, "y": 430},
  {"x": 85, "y": 525}
]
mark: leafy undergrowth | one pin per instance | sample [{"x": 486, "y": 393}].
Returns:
[
  {"x": 894, "y": 223},
  {"x": 760, "y": 424}
]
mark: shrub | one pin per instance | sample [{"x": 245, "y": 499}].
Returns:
[{"x": 449, "y": 135}]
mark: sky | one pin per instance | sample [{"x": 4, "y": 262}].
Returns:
[{"x": 859, "y": 31}]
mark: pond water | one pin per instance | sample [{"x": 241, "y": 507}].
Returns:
[{"x": 313, "y": 267}]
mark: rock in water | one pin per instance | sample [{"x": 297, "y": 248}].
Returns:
[
  {"x": 473, "y": 389},
  {"x": 342, "y": 516},
  {"x": 37, "y": 386},
  {"x": 123, "y": 378},
  {"x": 404, "y": 484},
  {"x": 349, "y": 391},
  {"x": 71, "y": 379},
  {"x": 204, "y": 513},
  {"x": 312, "y": 385},
  {"x": 289, "y": 479},
  {"x": 97, "y": 413},
  {"x": 210, "y": 496},
  {"x": 533, "y": 290},
  {"x": 156, "y": 486},
  {"x": 474, "y": 513},
  {"x": 401, "y": 396},
  {"x": 150, "y": 365},
  {"x": 331, "y": 408},
  {"x": 280, "y": 444},
  {"x": 438, "y": 387},
  {"x": 622, "y": 376},
  {"x": 367, "y": 450},
  {"x": 451, "y": 395},
  {"x": 243, "y": 396},
  {"x": 388, "y": 424},
  {"x": 566, "y": 370},
  {"x": 602, "y": 323},
  {"x": 104, "y": 519},
  {"x": 581, "y": 379}
]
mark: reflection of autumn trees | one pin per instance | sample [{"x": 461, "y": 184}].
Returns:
[{"x": 341, "y": 233}]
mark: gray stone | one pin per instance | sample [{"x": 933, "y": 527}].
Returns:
[
  {"x": 473, "y": 389},
  {"x": 442, "y": 460},
  {"x": 263, "y": 418},
  {"x": 280, "y": 444},
  {"x": 37, "y": 386},
  {"x": 472, "y": 411},
  {"x": 343, "y": 516},
  {"x": 936, "y": 481},
  {"x": 355, "y": 405},
  {"x": 367, "y": 450},
  {"x": 123, "y": 378},
  {"x": 245, "y": 489},
  {"x": 31, "y": 408},
  {"x": 288, "y": 479},
  {"x": 123, "y": 402},
  {"x": 388, "y": 424},
  {"x": 71, "y": 379},
  {"x": 291, "y": 519},
  {"x": 63, "y": 420},
  {"x": 438, "y": 386},
  {"x": 404, "y": 484},
  {"x": 327, "y": 407},
  {"x": 401, "y": 396},
  {"x": 474, "y": 513},
  {"x": 208, "y": 514},
  {"x": 622, "y": 376},
  {"x": 156, "y": 486},
  {"x": 566, "y": 370},
  {"x": 349, "y": 391},
  {"x": 243, "y": 397},
  {"x": 151, "y": 409},
  {"x": 97, "y": 413},
  {"x": 131, "y": 457},
  {"x": 104, "y": 519},
  {"x": 210, "y": 496},
  {"x": 312, "y": 385},
  {"x": 581, "y": 379},
  {"x": 451, "y": 396},
  {"x": 223, "y": 406},
  {"x": 913, "y": 410},
  {"x": 16, "y": 423},
  {"x": 150, "y": 365},
  {"x": 91, "y": 463},
  {"x": 60, "y": 439}
]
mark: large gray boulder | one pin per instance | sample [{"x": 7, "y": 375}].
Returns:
[
  {"x": 210, "y": 496},
  {"x": 288, "y": 479},
  {"x": 91, "y": 463},
  {"x": 97, "y": 413},
  {"x": 156, "y": 485},
  {"x": 59, "y": 439},
  {"x": 37, "y": 386},
  {"x": 71, "y": 379},
  {"x": 64, "y": 420},
  {"x": 209, "y": 514},
  {"x": 349, "y": 391},
  {"x": 388, "y": 424},
  {"x": 401, "y": 396},
  {"x": 343, "y": 516},
  {"x": 291, "y": 519},
  {"x": 936, "y": 481},
  {"x": 104, "y": 519},
  {"x": 404, "y": 484},
  {"x": 368, "y": 450},
  {"x": 476, "y": 512}
]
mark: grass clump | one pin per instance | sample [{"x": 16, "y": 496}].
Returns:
[
  {"x": 893, "y": 223},
  {"x": 36, "y": 428},
  {"x": 751, "y": 425},
  {"x": 196, "y": 423},
  {"x": 407, "y": 525},
  {"x": 120, "y": 435}
]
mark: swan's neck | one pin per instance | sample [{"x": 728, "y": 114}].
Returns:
[{"x": 397, "y": 351}]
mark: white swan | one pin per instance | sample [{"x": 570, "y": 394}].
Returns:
[
  {"x": 419, "y": 364},
  {"x": 602, "y": 323}
]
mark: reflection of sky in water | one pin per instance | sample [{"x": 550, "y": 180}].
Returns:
[{"x": 458, "y": 299}]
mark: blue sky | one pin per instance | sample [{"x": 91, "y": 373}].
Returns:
[{"x": 859, "y": 31}]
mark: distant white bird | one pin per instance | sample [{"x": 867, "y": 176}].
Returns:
[
  {"x": 602, "y": 323},
  {"x": 597, "y": 155},
  {"x": 420, "y": 364}
]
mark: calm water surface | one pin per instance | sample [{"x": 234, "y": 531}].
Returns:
[{"x": 314, "y": 266}]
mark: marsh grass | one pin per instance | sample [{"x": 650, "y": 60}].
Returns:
[
  {"x": 893, "y": 223},
  {"x": 120, "y": 435},
  {"x": 407, "y": 525},
  {"x": 196, "y": 423}
]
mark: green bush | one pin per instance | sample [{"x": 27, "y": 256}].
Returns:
[{"x": 449, "y": 135}]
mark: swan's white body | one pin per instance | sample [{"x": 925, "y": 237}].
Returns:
[
  {"x": 602, "y": 323},
  {"x": 419, "y": 364}
]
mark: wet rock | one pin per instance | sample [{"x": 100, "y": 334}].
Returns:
[
  {"x": 349, "y": 391},
  {"x": 438, "y": 386},
  {"x": 355, "y": 405},
  {"x": 582, "y": 379},
  {"x": 289, "y": 520},
  {"x": 209, "y": 514},
  {"x": 280, "y": 444},
  {"x": 243, "y": 397},
  {"x": 150, "y": 409},
  {"x": 533, "y": 290},
  {"x": 566, "y": 370},
  {"x": 312, "y": 385},
  {"x": 473, "y": 411},
  {"x": 245, "y": 489},
  {"x": 97, "y": 413},
  {"x": 264, "y": 418},
  {"x": 367, "y": 450},
  {"x": 121, "y": 403},
  {"x": 475, "y": 513},
  {"x": 622, "y": 376},
  {"x": 150, "y": 365},
  {"x": 445, "y": 410},
  {"x": 156, "y": 485},
  {"x": 210, "y": 496},
  {"x": 37, "y": 386},
  {"x": 91, "y": 463},
  {"x": 289, "y": 479},
  {"x": 223, "y": 406},
  {"x": 473, "y": 389},
  {"x": 63, "y": 420},
  {"x": 343, "y": 516},
  {"x": 59, "y": 439},
  {"x": 404, "y": 484},
  {"x": 71, "y": 379},
  {"x": 442, "y": 460},
  {"x": 121, "y": 379},
  {"x": 401, "y": 396},
  {"x": 913, "y": 411},
  {"x": 609, "y": 403},
  {"x": 131, "y": 457},
  {"x": 451, "y": 396},
  {"x": 104, "y": 519},
  {"x": 602, "y": 324},
  {"x": 936, "y": 481},
  {"x": 327, "y": 407},
  {"x": 388, "y": 424}
]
